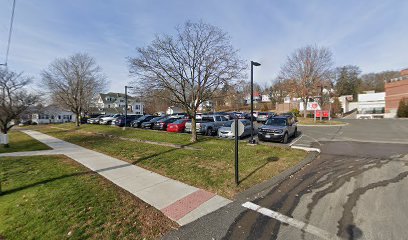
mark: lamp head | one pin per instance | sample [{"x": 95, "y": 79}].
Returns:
[{"x": 255, "y": 63}]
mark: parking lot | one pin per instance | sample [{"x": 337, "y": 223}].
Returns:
[{"x": 355, "y": 189}]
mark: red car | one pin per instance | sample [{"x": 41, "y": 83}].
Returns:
[{"x": 177, "y": 126}]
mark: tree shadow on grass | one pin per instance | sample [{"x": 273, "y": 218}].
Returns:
[
  {"x": 10, "y": 191},
  {"x": 268, "y": 160},
  {"x": 164, "y": 152}
]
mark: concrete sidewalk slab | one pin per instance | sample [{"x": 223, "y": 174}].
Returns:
[{"x": 180, "y": 202}]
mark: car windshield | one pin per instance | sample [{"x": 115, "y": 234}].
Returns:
[
  {"x": 156, "y": 119},
  {"x": 262, "y": 113},
  {"x": 144, "y": 117},
  {"x": 179, "y": 121},
  {"x": 276, "y": 122},
  {"x": 228, "y": 124}
]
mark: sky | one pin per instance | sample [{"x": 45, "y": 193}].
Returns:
[{"x": 370, "y": 34}]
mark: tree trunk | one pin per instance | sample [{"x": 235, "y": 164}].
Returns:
[
  {"x": 77, "y": 120},
  {"x": 305, "y": 108},
  {"x": 193, "y": 130},
  {"x": 4, "y": 137}
]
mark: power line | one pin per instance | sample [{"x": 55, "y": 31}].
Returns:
[{"x": 10, "y": 32}]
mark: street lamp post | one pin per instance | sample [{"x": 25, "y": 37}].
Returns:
[
  {"x": 126, "y": 105},
  {"x": 252, "y": 141}
]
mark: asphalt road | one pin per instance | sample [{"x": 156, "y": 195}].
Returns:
[{"x": 357, "y": 188}]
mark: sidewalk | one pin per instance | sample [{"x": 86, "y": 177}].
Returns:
[{"x": 178, "y": 201}]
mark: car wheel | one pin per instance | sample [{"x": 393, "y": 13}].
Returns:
[
  {"x": 208, "y": 132},
  {"x": 285, "y": 138}
]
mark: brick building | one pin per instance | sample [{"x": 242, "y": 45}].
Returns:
[{"x": 395, "y": 90}]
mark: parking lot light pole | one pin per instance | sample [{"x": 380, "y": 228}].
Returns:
[
  {"x": 126, "y": 105},
  {"x": 252, "y": 141}
]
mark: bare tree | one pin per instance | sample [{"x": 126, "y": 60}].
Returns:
[
  {"x": 192, "y": 65},
  {"x": 73, "y": 82},
  {"x": 14, "y": 99},
  {"x": 308, "y": 68}
]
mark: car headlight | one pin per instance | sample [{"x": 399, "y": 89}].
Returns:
[{"x": 279, "y": 131}]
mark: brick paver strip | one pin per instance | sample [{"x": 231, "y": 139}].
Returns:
[
  {"x": 180, "y": 202},
  {"x": 187, "y": 204}
]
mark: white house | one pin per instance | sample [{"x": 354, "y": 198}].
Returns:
[
  {"x": 206, "y": 105},
  {"x": 173, "y": 109},
  {"x": 265, "y": 98},
  {"x": 116, "y": 103},
  {"x": 52, "y": 114}
]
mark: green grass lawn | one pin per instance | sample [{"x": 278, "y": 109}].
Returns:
[
  {"x": 22, "y": 142},
  {"x": 211, "y": 168},
  {"x": 310, "y": 121},
  {"x": 52, "y": 197}
]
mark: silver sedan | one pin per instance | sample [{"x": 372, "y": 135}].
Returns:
[{"x": 226, "y": 132}]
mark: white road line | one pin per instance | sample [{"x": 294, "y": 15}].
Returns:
[
  {"x": 291, "y": 221},
  {"x": 308, "y": 149},
  {"x": 314, "y": 139},
  {"x": 293, "y": 142}
]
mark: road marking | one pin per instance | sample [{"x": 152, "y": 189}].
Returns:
[
  {"x": 291, "y": 221},
  {"x": 314, "y": 139},
  {"x": 343, "y": 139},
  {"x": 297, "y": 139},
  {"x": 308, "y": 149}
]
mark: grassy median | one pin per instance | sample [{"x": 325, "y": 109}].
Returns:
[
  {"x": 210, "y": 168},
  {"x": 52, "y": 197},
  {"x": 22, "y": 142},
  {"x": 310, "y": 121}
]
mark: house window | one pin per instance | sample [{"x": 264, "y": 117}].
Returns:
[
  {"x": 137, "y": 107},
  {"x": 108, "y": 105}
]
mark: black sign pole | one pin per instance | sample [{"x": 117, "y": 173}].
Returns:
[{"x": 236, "y": 152}]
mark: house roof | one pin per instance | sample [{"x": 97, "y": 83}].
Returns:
[{"x": 114, "y": 96}]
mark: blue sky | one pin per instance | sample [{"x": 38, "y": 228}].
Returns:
[{"x": 370, "y": 34}]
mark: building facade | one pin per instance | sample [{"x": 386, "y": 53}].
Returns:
[
  {"x": 395, "y": 89},
  {"x": 52, "y": 114},
  {"x": 112, "y": 103},
  {"x": 371, "y": 105}
]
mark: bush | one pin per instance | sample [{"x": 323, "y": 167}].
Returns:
[
  {"x": 296, "y": 112},
  {"x": 402, "y": 111}
]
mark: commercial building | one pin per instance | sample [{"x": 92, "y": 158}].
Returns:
[{"x": 395, "y": 89}]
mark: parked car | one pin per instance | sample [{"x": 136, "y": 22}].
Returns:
[
  {"x": 248, "y": 116},
  {"x": 289, "y": 114},
  {"x": 162, "y": 124},
  {"x": 179, "y": 115},
  {"x": 278, "y": 128},
  {"x": 138, "y": 122},
  {"x": 108, "y": 119},
  {"x": 208, "y": 125},
  {"x": 225, "y": 114},
  {"x": 263, "y": 116},
  {"x": 226, "y": 132},
  {"x": 85, "y": 118},
  {"x": 120, "y": 121},
  {"x": 150, "y": 124},
  {"x": 178, "y": 126},
  {"x": 96, "y": 120}
]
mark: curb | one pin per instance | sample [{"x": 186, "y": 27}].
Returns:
[
  {"x": 261, "y": 188},
  {"x": 312, "y": 125},
  {"x": 307, "y": 149}
]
